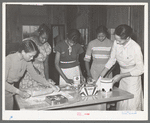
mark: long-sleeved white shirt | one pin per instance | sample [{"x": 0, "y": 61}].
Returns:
[{"x": 127, "y": 55}]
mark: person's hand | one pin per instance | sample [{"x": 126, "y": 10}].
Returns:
[
  {"x": 69, "y": 81},
  {"x": 116, "y": 78},
  {"x": 89, "y": 80},
  {"x": 47, "y": 84},
  {"x": 51, "y": 81},
  {"x": 24, "y": 94},
  {"x": 82, "y": 79},
  {"x": 56, "y": 88}
]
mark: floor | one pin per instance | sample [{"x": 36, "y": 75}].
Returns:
[{"x": 112, "y": 108}]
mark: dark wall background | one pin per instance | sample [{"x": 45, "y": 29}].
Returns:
[{"x": 72, "y": 16}]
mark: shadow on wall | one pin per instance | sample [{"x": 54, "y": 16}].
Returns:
[
  {"x": 12, "y": 47},
  {"x": 134, "y": 37}
]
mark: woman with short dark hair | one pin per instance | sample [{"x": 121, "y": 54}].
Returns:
[
  {"x": 129, "y": 56},
  {"x": 16, "y": 65},
  {"x": 66, "y": 59}
]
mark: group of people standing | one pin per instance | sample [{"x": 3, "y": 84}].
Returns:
[{"x": 29, "y": 65}]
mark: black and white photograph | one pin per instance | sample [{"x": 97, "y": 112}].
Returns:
[{"x": 75, "y": 61}]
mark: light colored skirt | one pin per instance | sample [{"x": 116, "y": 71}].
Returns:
[
  {"x": 132, "y": 85},
  {"x": 70, "y": 73}
]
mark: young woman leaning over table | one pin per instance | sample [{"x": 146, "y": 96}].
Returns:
[
  {"x": 16, "y": 66},
  {"x": 66, "y": 59},
  {"x": 129, "y": 56},
  {"x": 40, "y": 63}
]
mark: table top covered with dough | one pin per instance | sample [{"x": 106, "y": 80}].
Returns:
[{"x": 74, "y": 99}]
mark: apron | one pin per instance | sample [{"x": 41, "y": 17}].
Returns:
[
  {"x": 134, "y": 86},
  {"x": 70, "y": 73}
]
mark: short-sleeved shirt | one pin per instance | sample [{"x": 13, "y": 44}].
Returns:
[
  {"x": 68, "y": 60},
  {"x": 100, "y": 51},
  {"x": 44, "y": 50}
]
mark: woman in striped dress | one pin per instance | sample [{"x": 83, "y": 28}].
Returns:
[{"x": 99, "y": 49}]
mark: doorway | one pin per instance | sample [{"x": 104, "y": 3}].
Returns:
[{"x": 58, "y": 35}]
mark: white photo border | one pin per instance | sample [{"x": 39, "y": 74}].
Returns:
[{"x": 72, "y": 115}]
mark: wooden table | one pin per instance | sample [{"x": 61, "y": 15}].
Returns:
[{"x": 76, "y": 102}]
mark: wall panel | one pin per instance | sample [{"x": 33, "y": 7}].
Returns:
[
  {"x": 97, "y": 17},
  {"x": 137, "y": 23}
]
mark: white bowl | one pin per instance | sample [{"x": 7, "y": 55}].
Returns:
[{"x": 106, "y": 85}]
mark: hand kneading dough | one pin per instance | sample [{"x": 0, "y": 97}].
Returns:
[{"x": 39, "y": 90}]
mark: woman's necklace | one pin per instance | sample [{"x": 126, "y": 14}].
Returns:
[{"x": 69, "y": 48}]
